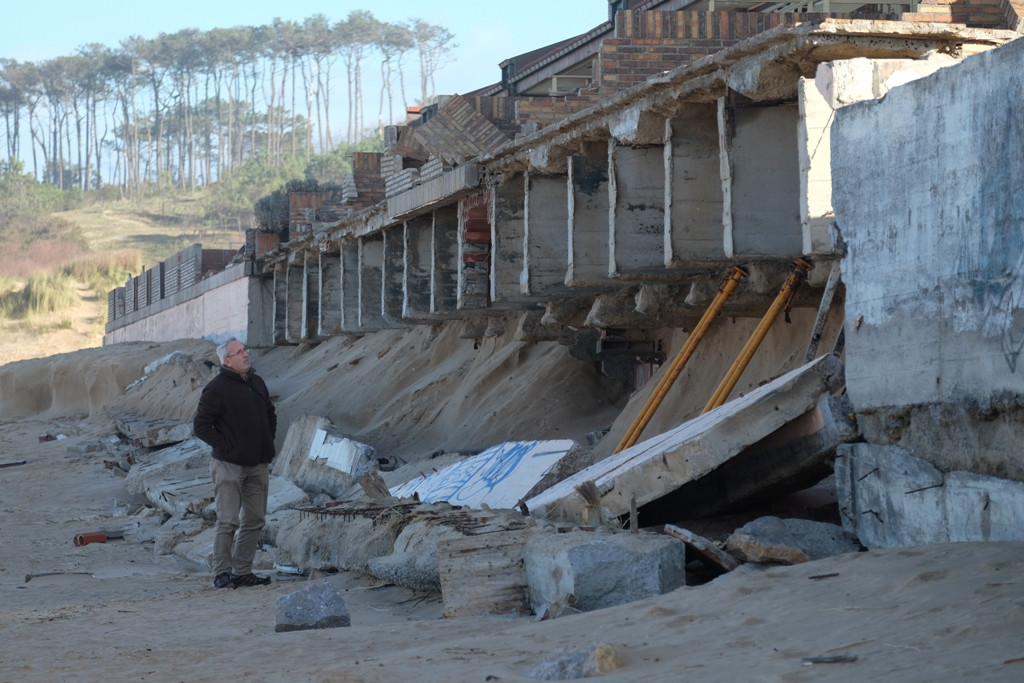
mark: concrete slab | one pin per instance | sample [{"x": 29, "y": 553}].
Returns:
[
  {"x": 655, "y": 467},
  {"x": 192, "y": 492},
  {"x": 192, "y": 454},
  {"x": 499, "y": 477},
  {"x": 152, "y": 432}
]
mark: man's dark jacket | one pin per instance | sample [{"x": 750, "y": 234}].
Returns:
[{"x": 237, "y": 418}]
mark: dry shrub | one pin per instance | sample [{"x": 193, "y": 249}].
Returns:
[
  {"x": 45, "y": 292},
  {"x": 103, "y": 272}
]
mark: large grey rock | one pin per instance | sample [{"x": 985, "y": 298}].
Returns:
[
  {"x": 591, "y": 570},
  {"x": 319, "y": 605},
  {"x": 789, "y": 541}
]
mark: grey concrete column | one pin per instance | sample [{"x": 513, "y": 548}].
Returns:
[
  {"x": 445, "y": 261},
  {"x": 393, "y": 275},
  {"x": 588, "y": 218},
  {"x": 371, "y": 268},
  {"x": 694, "y": 217},
  {"x": 509, "y": 231},
  {"x": 280, "y": 315},
  {"x": 761, "y": 145},
  {"x": 546, "y": 235},
  {"x": 637, "y": 200},
  {"x": 259, "y": 331},
  {"x": 417, "y": 237},
  {"x": 311, "y": 293},
  {"x": 330, "y": 292},
  {"x": 349, "y": 249},
  {"x": 295, "y": 301}
]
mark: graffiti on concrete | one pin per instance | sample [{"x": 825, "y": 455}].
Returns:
[{"x": 499, "y": 476}]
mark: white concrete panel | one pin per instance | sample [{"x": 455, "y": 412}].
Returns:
[{"x": 499, "y": 477}]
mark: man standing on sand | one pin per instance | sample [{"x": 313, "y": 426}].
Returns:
[{"x": 237, "y": 418}]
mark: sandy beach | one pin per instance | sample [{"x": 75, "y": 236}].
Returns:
[{"x": 116, "y": 611}]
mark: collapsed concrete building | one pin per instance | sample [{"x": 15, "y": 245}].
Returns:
[{"x": 859, "y": 173}]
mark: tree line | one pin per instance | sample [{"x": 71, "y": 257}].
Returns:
[{"x": 189, "y": 108}]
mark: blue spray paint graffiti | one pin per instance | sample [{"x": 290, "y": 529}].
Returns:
[{"x": 499, "y": 476}]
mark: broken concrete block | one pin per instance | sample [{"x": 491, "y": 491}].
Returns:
[
  {"x": 319, "y": 458},
  {"x": 319, "y": 605},
  {"x": 191, "y": 454},
  {"x": 662, "y": 464},
  {"x": 174, "y": 531},
  {"x": 771, "y": 540},
  {"x": 889, "y": 498},
  {"x": 500, "y": 476},
  {"x": 591, "y": 570},
  {"x": 150, "y": 432},
  {"x": 413, "y": 564},
  {"x": 347, "y": 542}
]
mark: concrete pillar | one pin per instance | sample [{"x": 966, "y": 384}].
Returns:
[
  {"x": 546, "y": 235},
  {"x": 311, "y": 294},
  {"x": 349, "y": 249},
  {"x": 330, "y": 292},
  {"x": 393, "y": 275},
  {"x": 371, "y": 268},
  {"x": 259, "y": 327},
  {"x": 295, "y": 301},
  {"x": 694, "y": 201},
  {"x": 637, "y": 200},
  {"x": 445, "y": 260},
  {"x": 417, "y": 234},
  {"x": 509, "y": 232},
  {"x": 280, "y": 315},
  {"x": 760, "y": 144},
  {"x": 814, "y": 135},
  {"x": 588, "y": 218}
]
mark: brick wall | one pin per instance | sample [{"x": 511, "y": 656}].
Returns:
[
  {"x": 366, "y": 174},
  {"x": 649, "y": 43},
  {"x": 547, "y": 110}
]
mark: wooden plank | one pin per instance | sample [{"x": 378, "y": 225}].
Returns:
[
  {"x": 706, "y": 548},
  {"x": 484, "y": 574}
]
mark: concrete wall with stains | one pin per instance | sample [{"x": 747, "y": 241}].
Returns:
[{"x": 929, "y": 198}]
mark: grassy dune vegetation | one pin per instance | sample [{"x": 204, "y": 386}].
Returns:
[{"x": 60, "y": 253}]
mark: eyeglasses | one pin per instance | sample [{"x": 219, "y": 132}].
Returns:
[{"x": 237, "y": 353}]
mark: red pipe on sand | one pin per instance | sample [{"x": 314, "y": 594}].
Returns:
[{"x": 90, "y": 537}]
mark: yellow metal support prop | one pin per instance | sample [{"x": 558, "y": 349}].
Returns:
[
  {"x": 689, "y": 346},
  {"x": 739, "y": 365}
]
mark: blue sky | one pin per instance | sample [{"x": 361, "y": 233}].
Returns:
[{"x": 486, "y": 33}]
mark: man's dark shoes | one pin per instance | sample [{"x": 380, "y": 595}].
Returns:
[
  {"x": 250, "y": 580},
  {"x": 223, "y": 581}
]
